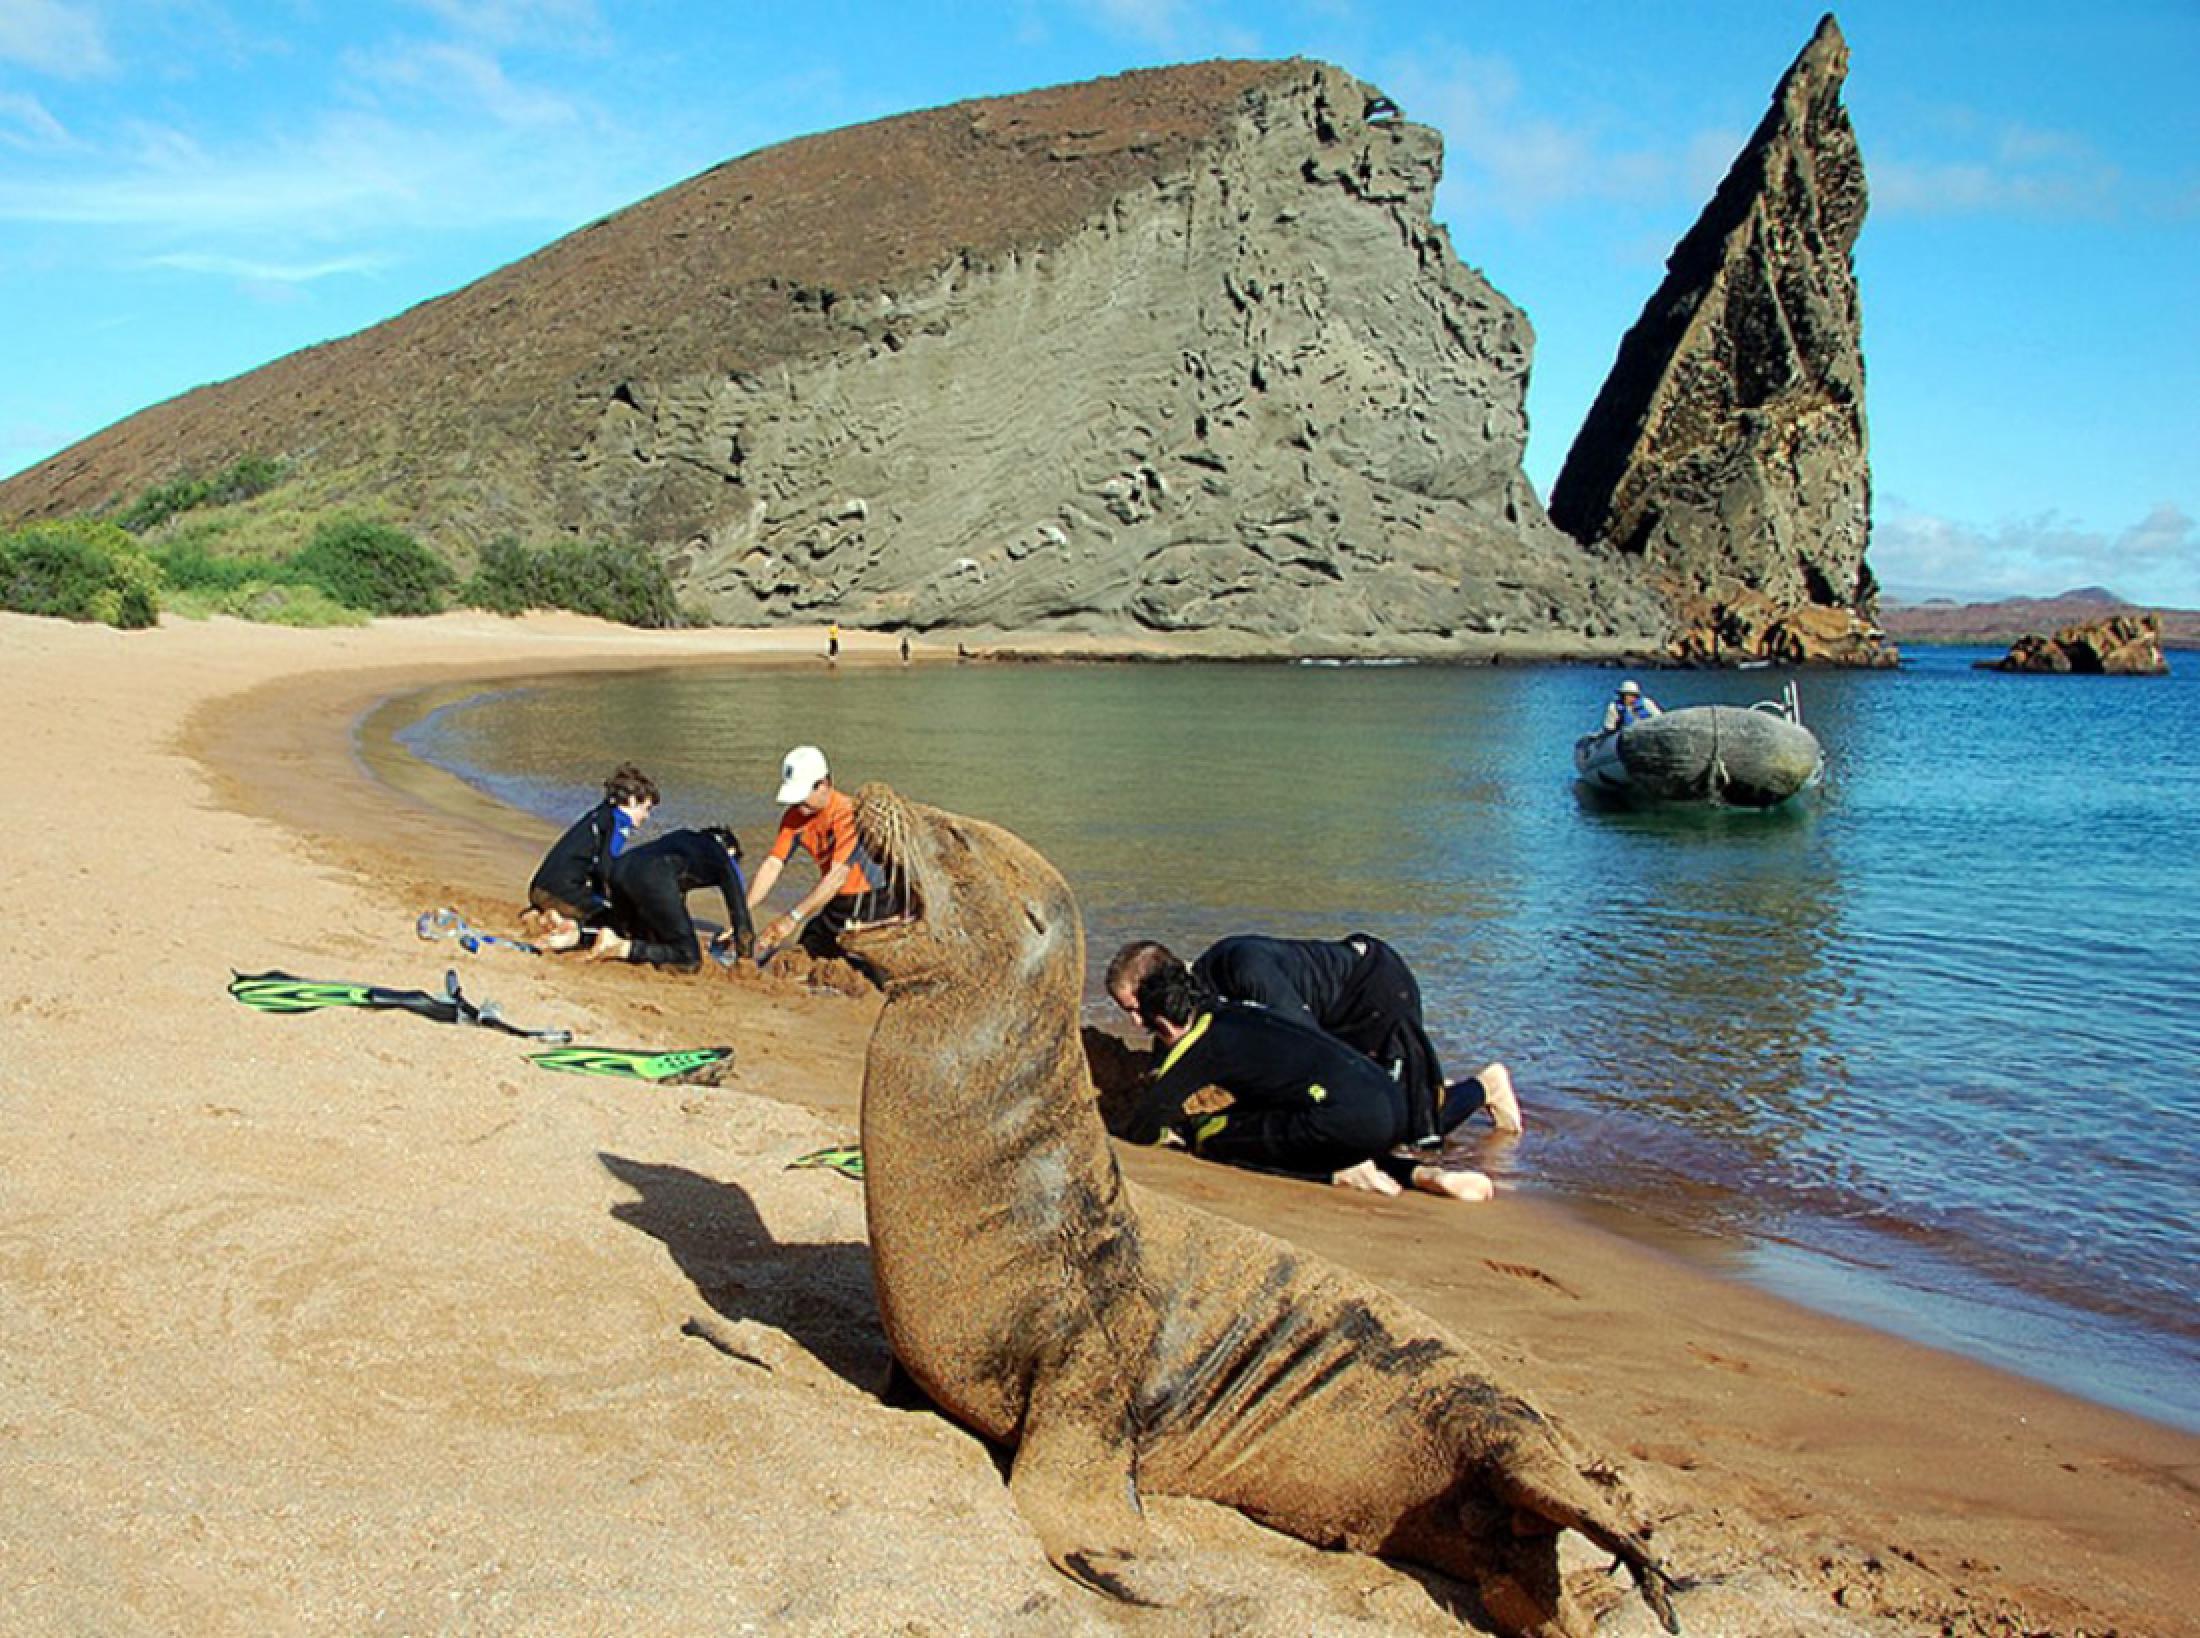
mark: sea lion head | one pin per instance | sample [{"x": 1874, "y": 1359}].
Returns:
[{"x": 980, "y": 903}]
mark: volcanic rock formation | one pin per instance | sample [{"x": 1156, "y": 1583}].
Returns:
[
  {"x": 2129, "y": 645},
  {"x": 1180, "y": 351},
  {"x": 1727, "y": 450}
]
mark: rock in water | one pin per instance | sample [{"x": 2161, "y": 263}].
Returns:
[
  {"x": 1727, "y": 449},
  {"x": 2129, "y": 645},
  {"x": 1180, "y": 351}
]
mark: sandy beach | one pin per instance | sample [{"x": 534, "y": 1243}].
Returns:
[{"x": 352, "y": 1322}]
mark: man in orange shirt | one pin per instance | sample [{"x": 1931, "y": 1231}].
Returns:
[{"x": 850, "y": 885}]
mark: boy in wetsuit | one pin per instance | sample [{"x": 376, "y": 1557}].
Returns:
[
  {"x": 649, "y": 889},
  {"x": 1302, "y": 1102},
  {"x": 850, "y": 885},
  {"x": 571, "y": 893},
  {"x": 1357, "y": 989}
]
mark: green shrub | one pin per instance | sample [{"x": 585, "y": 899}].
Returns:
[
  {"x": 79, "y": 569},
  {"x": 626, "y": 583},
  {"x": 277, "y": 604},
  {"x": 374, "y": 567},
  {"x": 188, "y": 566},
  {"x": 239, "y": 481}
]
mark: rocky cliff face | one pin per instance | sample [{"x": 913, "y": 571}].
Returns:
[
  {"x": 1727, "y": 451},
  {"x": 1177, "y": 352}
]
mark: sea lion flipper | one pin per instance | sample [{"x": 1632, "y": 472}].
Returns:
[{"x": 1077, "y": 1491}]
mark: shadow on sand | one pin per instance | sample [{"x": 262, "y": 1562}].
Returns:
[{"x": 818, "y": 1295}]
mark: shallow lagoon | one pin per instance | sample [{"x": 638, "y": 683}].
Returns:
[{"x": 1923, "y": 1051}]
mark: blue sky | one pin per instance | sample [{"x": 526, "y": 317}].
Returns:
[{"x": 189, "y": 188}]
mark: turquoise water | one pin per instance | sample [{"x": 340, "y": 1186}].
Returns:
[{"x": 1924, "y": 1051}]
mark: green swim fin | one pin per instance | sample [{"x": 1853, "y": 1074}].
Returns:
[
  {"x": 693, "y": 1064},
  {"x": 285, "y": 992},
  {"x": 846, "y": 1160}
]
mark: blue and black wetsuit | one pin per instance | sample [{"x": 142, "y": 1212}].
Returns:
[
  {"x": 574, "y": 877},
  {"x": 649, "y": 889},
  {"x": 1303, "y": 1102},
  {"x": 1357, "y": 989}
]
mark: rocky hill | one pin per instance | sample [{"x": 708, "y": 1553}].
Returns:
[
  {"x": 1180, "y": 351},
  {"x": 1942, "y": 620}
]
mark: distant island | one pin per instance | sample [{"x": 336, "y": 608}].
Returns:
[{"x": 1943, "y": 620}]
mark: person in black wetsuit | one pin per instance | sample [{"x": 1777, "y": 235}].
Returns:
[
  {"x": 571, "y": 893},
  {"x": 1357, "y": 989},
  {"x": 649, "y": 889},
  {"x": 1301, "y": 1101}
]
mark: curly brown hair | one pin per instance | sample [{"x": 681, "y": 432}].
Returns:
[{"x": 629, "y": 784}]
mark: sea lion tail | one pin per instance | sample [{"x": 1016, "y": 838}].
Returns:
[{"x": 1576, "y": 1510}]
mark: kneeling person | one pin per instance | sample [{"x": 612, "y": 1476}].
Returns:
[
  {"x": 649, "y": 889},
  {"x": 1303, "y": 1103}
]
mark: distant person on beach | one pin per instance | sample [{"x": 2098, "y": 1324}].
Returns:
[
  {"x": 850, "y": 885},
  {"x": 1629, "y": 705},
  {"x": 1301, "y": 1102},
  {"x": 905, "y": 648},
  {"x": 1358, "y": 990},
  {"x": 832, "y": 641},
  {"x": 571, "y": 891},
  {"x": 650, "y": 924}
]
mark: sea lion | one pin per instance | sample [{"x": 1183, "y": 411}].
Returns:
[{"x": 1123, "y": 1342}]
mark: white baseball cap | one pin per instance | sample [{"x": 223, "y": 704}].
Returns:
[
  {"x": 799, "y": 773},
  {"x": 1629, "y": 687}
]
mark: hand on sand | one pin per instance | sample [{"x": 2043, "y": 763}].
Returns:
[
  {"x": 609, "y": 947},
  {"x": 1368, "y": 1176}
]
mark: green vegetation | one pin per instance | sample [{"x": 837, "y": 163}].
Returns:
[
  {"x": 624, "y": 583},
  {"x": 79, "y": 569},
  {"x": 241, "y": 480},
  {"x": 374, "y": 567},
  {"x": 236, "y": 560}
]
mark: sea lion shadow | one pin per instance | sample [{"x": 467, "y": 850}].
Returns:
[{"x": 818, "y": 1295}]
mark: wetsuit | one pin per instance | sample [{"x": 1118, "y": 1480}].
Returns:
[
  {"x": 574, "y": 878},
  {"x": 649, "y": 889},
  {"x": 1303, "y": 1102},
  {"x": 829, "y": 837},
  {"x": 1357, "y": 989}
]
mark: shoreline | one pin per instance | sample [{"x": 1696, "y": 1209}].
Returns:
[{"x": 1822, "y": 1469}]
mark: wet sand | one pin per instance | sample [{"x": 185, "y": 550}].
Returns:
[{"x": 353, "y": 1322}]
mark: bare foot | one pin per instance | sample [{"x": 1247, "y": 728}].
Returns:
[
  {"x": 567, "y": 937},
  {"x": 1499, "y": 1099},
  {"x": 609, "y": 947},
  {"x": 1369, "y": 1176},
  {"x": 1471, "y": 1187}
]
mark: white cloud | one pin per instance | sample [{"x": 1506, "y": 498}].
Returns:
[
  {"x": 2007, "y": 168},
  {"x": 52, "y": 38},
  {"x": 33, "y": 126},
  {"x": 464, "y": 78},
  {"x": 2156, "y": 560},
  {"x": 1505, "y": 158},
  {"x": 261, "y": 272},
  {"x": 562, "y": 23}
]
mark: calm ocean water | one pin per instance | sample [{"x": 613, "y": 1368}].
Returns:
[{"x": 1925, "y": 1053}]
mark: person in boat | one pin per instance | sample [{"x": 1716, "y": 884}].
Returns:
[
  {"x": 1301, "y": 1101},
  {"x": 650, "y": 924},
  {"x": 1629, "y": 705},
  {"x": 1358, "y": 990},
  {"x": 850, "y": 885},
  {"x": 570, "y": 895}
]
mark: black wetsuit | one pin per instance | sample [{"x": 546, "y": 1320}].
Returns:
[
  {"x": 649, "y": 889},
  {"x": 574, "y": 877},
  {"x": 1304, "y": 1102},
  {"x": 1357, "y": 989}
]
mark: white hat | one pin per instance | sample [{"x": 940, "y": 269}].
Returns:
[
  {"x": 799, "y": 773},
  {"x": 1629, "y": 687}
]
